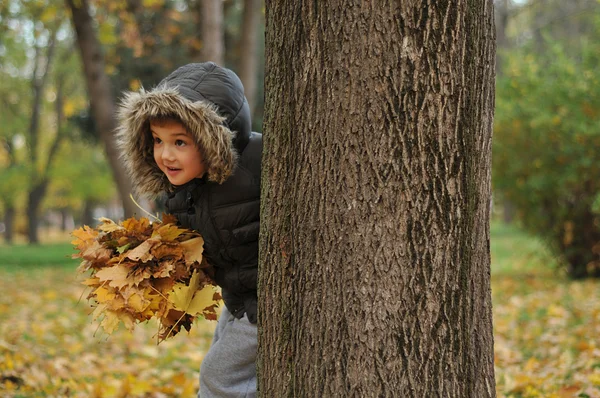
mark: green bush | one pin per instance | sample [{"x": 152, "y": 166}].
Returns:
[{"x": 546, "y": 150}]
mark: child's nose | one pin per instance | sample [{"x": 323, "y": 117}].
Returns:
[{"x": 168, "y": 153}]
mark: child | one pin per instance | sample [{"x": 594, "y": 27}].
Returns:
[{"x": 191, "y": 138}]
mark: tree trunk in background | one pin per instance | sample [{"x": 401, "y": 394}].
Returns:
[
  {"x": 38, "y": 183},
  {"x": 212, "y": 31},
  {"x": 100, "y": 96},
  {"x": 248, "y": 49},
  {"x": 9, "y": 222},
  {"x": 39, "y": 187},
  {"x": 374, "y": 246},
  {"x": 87, "y": 218},
  {"x": 64, "y": 216},
  {"x": 502, "y": 18},
  {"x": 34, "y": 200}
]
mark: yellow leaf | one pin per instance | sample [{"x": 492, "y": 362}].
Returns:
[
  {"x": 85, "y": 235},
  {"x": 110, "y": 321},
  {"x": 92, "y": 281},
  {"x": 193, "y": 249},
  {"x": 117, "y": 276},
  {"x": 189, "y": 299},
  {"x": 109, "y": 225},
  {"x": 136, "y": 302},
  {"x": 168, "y": 232},
  {"x": 103, "y": 294},
  {"x": 202, "y": 299}
]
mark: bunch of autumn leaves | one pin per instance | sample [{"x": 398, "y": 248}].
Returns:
[{"x": 141, "y": 270}]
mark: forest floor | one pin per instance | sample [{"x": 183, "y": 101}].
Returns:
[{"x": 546, "y": 331}]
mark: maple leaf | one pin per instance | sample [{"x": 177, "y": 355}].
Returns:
[
  {"x": 172, "y": 251},
  {"x": 168, "y": 232},
  {"x": 117, "y": 276},
  {"x": 85, "y": 236},
  {"x": 135, "y": 266},
  {"x": 108, "y": 225},
  {"x": 142, "y": 252},
  {"x": 189, "y": 298},
  {"x": 136, "y": 226},
  {"x": 193, "y": 249},
  {"x": 138, "y": 302},
  {"x": 103, "y": 295},
  {"x": 95, "y": 252}
]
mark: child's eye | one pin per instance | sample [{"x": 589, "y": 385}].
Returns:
[
  {"x": 156, "y": 140},
  {"x": 180, "y": 143}
]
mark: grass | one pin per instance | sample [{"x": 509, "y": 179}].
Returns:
[
  {"x": 21, "y": 256},
  {"x": 514, "y": 252}
]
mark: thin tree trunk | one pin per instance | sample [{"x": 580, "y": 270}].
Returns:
[
  {"x": 38, "y": 83},
  {"x": 248, "y": 50},
  {"x": 39, "y": 188},
  {"x": 100, "y": 95},
  {"x": 375, "y": 262},
  {"x": 64, "y": 216},
  {"x": 502, "y": 18},
  {"x": 87, "y": 217},
  {"x": 34, "y": 200},
  {"x": 9, "y": 222},
  {"x": 212, "y": 31}
]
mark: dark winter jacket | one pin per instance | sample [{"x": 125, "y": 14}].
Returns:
[{"x": 224, "y": 205}]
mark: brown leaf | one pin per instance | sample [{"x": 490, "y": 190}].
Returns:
[
  {"x": 193, "y": 249},
  {"x": 142, "y": 252}
]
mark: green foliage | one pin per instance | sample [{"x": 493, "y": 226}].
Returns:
[
  {"x": 547, "y": 135},
  {"x": 80, "y": 173}
]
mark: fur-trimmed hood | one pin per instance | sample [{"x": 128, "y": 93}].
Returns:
[{"x": 209, "y": 100}]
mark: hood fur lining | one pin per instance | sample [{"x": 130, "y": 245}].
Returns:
[{"x": 202, "y": 122}]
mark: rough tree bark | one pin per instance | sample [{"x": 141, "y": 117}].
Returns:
[
  {"x": 100, "y": 95},
  {"x": 213, "y": 46},
  {"x": 248, "y": 50},
  {"x": 374, "y": 247}
]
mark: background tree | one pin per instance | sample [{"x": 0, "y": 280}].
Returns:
[
  {"x": 101, "y": 98},
  {"x": 213, "y": 46},
  {"x": 547, "y": 130},
  {"x": 14, "y": 91},
  {"x": 249, "y": 50},
  {"x": 375, "y": 277}
]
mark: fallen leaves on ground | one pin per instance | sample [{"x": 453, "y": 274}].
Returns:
[
  {"x": 546, "y": 332},
  {"x": 546, "y": 342},
  {"x": 49, "y": 346}
]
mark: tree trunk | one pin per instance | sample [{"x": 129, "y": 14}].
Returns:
[
  {"x": 375, "y": 261},
  {"x": 248, "y": 50},
  {"x": 9, "y": 222},
  {"x": 40, "y": 185},
  {"x": 502, "y": 18},
  {"x": 212, "y": 31},
  {"x": 100, "y": 95},
  {"x": 34, "y": 200},
  {"x": 87, "y": 217},
  {"x": 64, "y": 216}
]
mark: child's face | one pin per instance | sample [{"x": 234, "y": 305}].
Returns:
[{"x": 175, "y": 152}]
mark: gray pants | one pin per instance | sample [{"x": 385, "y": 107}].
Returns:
[{"x": 229, "y": 367}]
